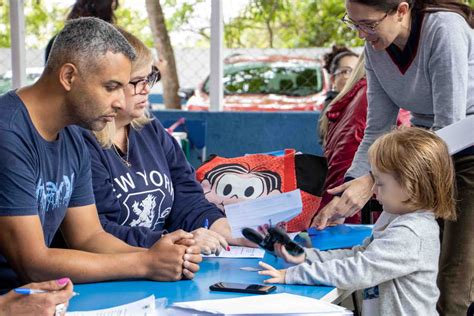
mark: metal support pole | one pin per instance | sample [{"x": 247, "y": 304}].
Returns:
[
  {"x": 17, "y": 31},
  {"x": 217, "y": 68}
]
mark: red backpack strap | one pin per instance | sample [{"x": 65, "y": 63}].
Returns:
[{"x": 289, "y": 183}]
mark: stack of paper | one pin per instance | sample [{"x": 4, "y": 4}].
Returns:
[
  {"x": 144, "y": 307},
  {"x": 272, "y": 304},
  {"x": 272, "y": 209}
]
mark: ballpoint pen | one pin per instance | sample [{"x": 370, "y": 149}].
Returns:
[{"x": 28, "y": 291}]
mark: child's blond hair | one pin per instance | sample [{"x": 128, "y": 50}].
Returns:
[{"x": 420, "y": 162}]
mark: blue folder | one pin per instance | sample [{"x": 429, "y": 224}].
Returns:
[{"x": 340, "y": 236}]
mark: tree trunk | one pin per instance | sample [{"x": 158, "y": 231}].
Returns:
[{"x": 163, "y": 46}]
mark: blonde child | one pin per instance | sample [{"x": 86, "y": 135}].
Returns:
[{"x": 397, "y": 266}]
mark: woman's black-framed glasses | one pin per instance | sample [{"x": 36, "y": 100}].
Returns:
[
  {"x": 368, "y": 28},
  {"x": 149, "y": 81}
]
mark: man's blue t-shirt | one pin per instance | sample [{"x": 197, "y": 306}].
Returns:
[
  {"x": 38, "y": 177},
  {"x": 157, "y": 192}
]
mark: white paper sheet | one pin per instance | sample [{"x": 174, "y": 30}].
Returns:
[
  {"x": 274, "y": 209},
  {"x": 144, "y": 307},
  {"x": 459, "y": 135},
  {"x": 272, "y": 304},
  {"x": 240, "y": 252}
]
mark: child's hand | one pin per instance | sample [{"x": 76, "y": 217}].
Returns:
[
  {"x": 281, "y": 252},
  {"x": 278, "y": 276}
]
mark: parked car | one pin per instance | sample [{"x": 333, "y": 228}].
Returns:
[
  {"x": 32, "y": 74},
  {"x": 267, "y": 83}
]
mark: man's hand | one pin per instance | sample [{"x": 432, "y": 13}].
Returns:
[
  {"x": 192, "y": 258},
  {"x": 209, "y": 241},
  {"x": 170, "y": 261},
  {"x": 355, "y": 194},
  {"x": 37, "y": 304}
]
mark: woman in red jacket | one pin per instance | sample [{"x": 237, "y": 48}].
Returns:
[
  {"x": 342, "y": 128},
  {"x": 339, "y": 63}
]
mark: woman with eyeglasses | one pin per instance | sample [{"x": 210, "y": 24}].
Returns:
[
  {"x": 143, "y": 185},
  {"x": 339, "y": 63},
  {"x": 419, "y": 56}
]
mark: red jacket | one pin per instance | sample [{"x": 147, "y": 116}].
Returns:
[{"x": 347, "y": 120}]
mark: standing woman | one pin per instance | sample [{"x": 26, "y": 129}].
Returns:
[{"x": 420, "y": 57}]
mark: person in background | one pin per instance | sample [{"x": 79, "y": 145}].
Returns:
[
  {"x": 46, "y": 178},
  {"x": 339, "y": 63},
  {"x": 396, "y": 267},
  {"x": 103, "y": 9},
  {"x": 58, "y": 292},
  {"x": 143, "y": 184},
  {"x": 419, "y": 56},
  {"x": 341, "y": 128}
]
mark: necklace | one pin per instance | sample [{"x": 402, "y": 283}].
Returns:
[{"x": 125, "y": 160}]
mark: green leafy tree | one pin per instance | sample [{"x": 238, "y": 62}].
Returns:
[
  {"x": 4, "y": 24},
  {"x": 40, "y": 24},
  {"x": 290, "y": 24},
  {"x": 324, "y": 26},
  {"x": 42, "y": 21},
  {"x": 165, "y": 50},
  {"x": 137, "y": 24}
]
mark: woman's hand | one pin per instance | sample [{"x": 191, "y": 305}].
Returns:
[
  {"x": 355, "y": 194},
  {"x": 222, "y": 226},
  {"x": 59, "y": 292},
  {"x": 209, "y": 241},
  {"x": 277, "y": 276}
]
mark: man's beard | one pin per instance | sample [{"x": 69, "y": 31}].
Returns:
[
  {"x": 92, "y": 125},
  {"x": 80, "y": 115}
]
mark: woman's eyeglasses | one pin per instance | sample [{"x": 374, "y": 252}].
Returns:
[
  {"x": 149, "y": 81},
  {"x": 343, "y": 71},
  {"x": 368, "y": 28}
]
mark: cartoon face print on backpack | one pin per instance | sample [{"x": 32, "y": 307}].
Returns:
[{"x": 232, "y": 183}]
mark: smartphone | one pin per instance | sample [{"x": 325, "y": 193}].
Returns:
[{"x": 242, "y": 288}]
